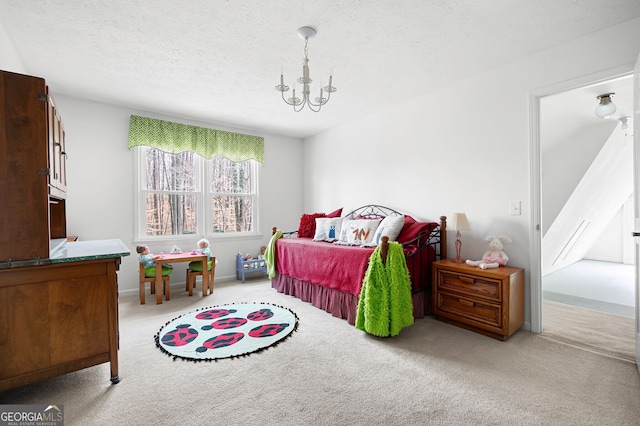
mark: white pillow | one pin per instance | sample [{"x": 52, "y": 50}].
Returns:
[
  {"x": 358, "y": 231},
  {"x": 390, "y": 226},
  {"x": 327, "y": 228}
]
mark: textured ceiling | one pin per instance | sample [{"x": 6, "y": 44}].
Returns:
[{"x": 219, "y": 61}]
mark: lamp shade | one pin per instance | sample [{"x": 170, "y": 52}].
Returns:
[{"x": 458, "y": 222}]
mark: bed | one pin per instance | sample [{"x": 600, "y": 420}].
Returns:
[{"x": 328, "y": 272}]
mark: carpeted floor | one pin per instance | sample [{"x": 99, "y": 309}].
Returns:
[
  {"x": 329, "y": 373},
  {"x": 603, "y": 333}
]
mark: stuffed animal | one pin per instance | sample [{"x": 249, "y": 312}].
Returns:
[{"x": 494, "y": 257}]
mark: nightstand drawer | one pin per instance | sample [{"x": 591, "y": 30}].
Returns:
[
  {"x": 470, "y": 309},
  {"x": 469, "y": 284}
]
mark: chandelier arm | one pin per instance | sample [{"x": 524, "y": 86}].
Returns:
[
  {"x": 301, "y": 104},
  {"x": 328, "y": 97},
  {"x": 311, "y": 106},
  {"x": 285, "y": 100}
]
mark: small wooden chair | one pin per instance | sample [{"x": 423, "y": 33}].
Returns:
[
  {"x": 191, "y": 279},
  {"x": 152, "y": 286}
]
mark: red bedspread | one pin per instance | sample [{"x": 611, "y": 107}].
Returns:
[{"x": 329, "y": 265}]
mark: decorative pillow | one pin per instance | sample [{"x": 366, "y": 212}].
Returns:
[
  {"x": 327, "y": 229},
  {"x": 408, "y": 220},
  {"x": 307, "y": 227},
  {"x": 335, "y": 213},
  {"x": 411, "y": 231},
  {"x": 390, "y": 226},
  {"x": 358, "y": 231}
]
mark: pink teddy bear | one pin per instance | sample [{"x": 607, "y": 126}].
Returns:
[{"x": 494, "y": 257}]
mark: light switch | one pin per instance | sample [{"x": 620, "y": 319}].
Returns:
[{"x": 514, "y": 208}]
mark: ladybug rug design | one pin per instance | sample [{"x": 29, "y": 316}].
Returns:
[{"x": 226, "y": 331}]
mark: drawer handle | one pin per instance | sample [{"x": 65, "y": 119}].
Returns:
[
  {"x": 466, "y": 303},
  {"x": 466, "y": 280}
]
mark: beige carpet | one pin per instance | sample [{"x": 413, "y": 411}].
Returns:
[
  {"x": 600, "y": 332},
  {"x": 329, "y": 373}
]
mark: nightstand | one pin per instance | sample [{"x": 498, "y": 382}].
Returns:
[{"x": 489, "y": 301}]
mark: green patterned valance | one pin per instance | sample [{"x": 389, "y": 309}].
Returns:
[{"x": 176, "y": 137}]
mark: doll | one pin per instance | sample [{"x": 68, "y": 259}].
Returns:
[
  {"x": 494, "y": 257},
  {"x": 148, "y": 260},
  {"x": 203, "y": 248}
]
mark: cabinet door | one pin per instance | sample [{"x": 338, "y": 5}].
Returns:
[
  {"x": 62, "y": 155},
  {"x": 57, "y": 154},
  {"x": 79, "y": 314},
  {"x": 24, "y": 329},
  {"x": 51, "y": 140},
  {"x": 24, "y": 202}
]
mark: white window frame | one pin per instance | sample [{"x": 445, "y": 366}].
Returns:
[{"x": 204, "y": 200}]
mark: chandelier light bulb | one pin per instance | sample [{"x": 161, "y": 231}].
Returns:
[{"x": 606, "y": 108}]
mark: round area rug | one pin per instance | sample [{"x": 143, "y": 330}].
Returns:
[{"x": 226, "y": 331}]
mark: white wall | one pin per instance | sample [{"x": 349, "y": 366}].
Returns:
[
  {"x": 564, "y": 165},
  {"x": 609, "y": 246},
  {"x": 464, "y": 147},
  {"x": 9, "y": 58},
  {"x": 101, "y": 186}
]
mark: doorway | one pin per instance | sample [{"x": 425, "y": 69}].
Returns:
[{"x": 580, "y": 239}]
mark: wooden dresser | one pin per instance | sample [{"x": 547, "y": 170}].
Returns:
[
  {"x": 490, "y": 301},
  {"x": 58, "y": 318}
]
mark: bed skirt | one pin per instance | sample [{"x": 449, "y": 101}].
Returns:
[{"x": 337, "y": 303}]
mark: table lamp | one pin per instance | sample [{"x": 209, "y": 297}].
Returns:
[{"x": 459, "y": 223}]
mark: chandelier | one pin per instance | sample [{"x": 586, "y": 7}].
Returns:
[{"x": 298, "y": 104}]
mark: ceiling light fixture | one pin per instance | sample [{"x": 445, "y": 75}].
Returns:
[
  {"x": 605, "y": 108},
  {"x": 298, "y": 104},
  {"x": 623, "y": 120}
]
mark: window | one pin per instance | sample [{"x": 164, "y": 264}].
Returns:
[
  {"x": 183, "y": 194},
  {"x": 194, "y": 180}
]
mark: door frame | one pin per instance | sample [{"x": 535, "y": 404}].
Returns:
[{"x": 535, "y": 163}]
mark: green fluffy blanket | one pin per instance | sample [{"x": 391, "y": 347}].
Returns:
[
  {"x": 385, "y": 306},
  {"x": 270, "y": 254}
]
